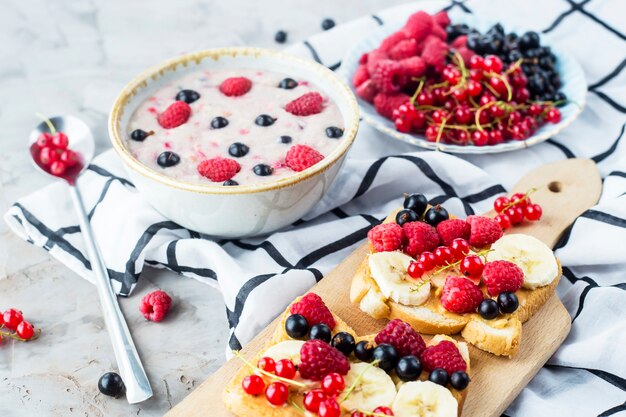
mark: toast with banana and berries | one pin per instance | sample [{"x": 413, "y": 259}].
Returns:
[
  {"x": 315, "y": 365},
  {"x": 445, "y": 275}
]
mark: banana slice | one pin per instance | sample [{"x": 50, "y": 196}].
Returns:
[
  {"x": 530, "y": 254},
  {"x": 374, "y": 388},
  {"x": 374, "y": 304},
  {"x": 424, "y": 399},
  {"x": 388, "y": 269}
]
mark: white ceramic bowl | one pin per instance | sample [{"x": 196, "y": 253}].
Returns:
[
  {"x": 572, "y": 76},
  {"x": 243, "y": 210}
]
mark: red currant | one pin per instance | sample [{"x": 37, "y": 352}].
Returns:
[
  {"x": 333, "y": 383},
  {"x": 460, "y": 94},
  {"x": 497, "y": 110},
  {"x": 484, "y": 118},
  {"x": 253, "y": 385},
  {"x": 285, "y": 369},
  {"x": 428, "y": 260},
  {"x": 419, "y": 119},
  {"x": 57, "y": 168},
  {"x": 329, "y": 408},
  {"x": 443, "y": 256},
  {"x": 533, "y": 212},
  {"x": 492, "y": 63},
  {"x": 535, "y": 109},
  {"x": 462, "y": 115},
  {"x": 504, "y": 221},
  {"x": 495, "y": 137},
  {"x": 462, "y": 137},
  {"x": 383, "y": 410},
  {"x": 402, "y": 125},
  {"x": 519, "y": 80},
  {"x": 500, "y": 203},
  {"x": 69, "y": 158},
  {"x": 474, "y": 88},
  {"x": 43, "y": 140},
  {"x": 553, "y": 115},
  {"x": 439, "y": 116},
  {"x": 498, "y": 84},
  {"x": 480, "y": 138},
  {"x": 516, "y": 214},
  {"x": 515, "y": 117},
  {"x": 425, "y": 98},
  {"x": 431, "y": 133},
  {"x": 416, "y": 270},
  {"x": 486, "y": 99},
  {"x": 459, "y": 248},
  {"x": 277, "y": 393},
  {"x": 519, "y": 132},
  {"x": 476, "y": 75},
  {"x": 452, "y": 75},
  {"x": 476, "y": 62},
  {"x": 266, "y": 364},
  {"x": 60, "y": 140},
  {"x": 439, "y": 95},
  {"x": 12, "y": 318},
  {"x": 25, "y": 330},
  {"x": 357, "y": 414},
  {"x": 313, "y": 399},
  {"x": 522, "y": 95},
  {"x": 472, "y": 266},
  {"x": 520, "y": 199},
  {"x": 48, "y": 155}
]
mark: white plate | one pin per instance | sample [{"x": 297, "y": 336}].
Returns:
[{"x": 572, "y": 76}]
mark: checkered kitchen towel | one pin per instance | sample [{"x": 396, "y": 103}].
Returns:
[{"x": 259, "y": 277}]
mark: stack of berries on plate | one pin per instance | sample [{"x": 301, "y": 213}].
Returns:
[{"x": 455, "y": 86}]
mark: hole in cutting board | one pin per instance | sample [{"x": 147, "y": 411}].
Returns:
[{"x": 555, "y": 186}]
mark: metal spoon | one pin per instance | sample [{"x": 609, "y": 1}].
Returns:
[{"x": 81, "y": 141}]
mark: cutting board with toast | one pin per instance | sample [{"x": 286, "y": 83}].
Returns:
[{"x": 565, "y": 190}]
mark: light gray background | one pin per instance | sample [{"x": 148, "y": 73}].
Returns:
[{"x": 72, "y": 57}]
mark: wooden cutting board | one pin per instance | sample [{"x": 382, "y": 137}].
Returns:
[{"x": 565, "y": 189}]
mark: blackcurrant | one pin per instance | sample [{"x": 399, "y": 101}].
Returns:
[
  {"x": 262, "y": 170},
  {"x": 219, "y": 122},
  {"x": 386, "y": 355},
  {"x": 334, "y": 132},
  {"x": 409, "y": 368},
  {"x": 405, "y": 216},
  {"x": 438, "y": 376},
  {"x": 264, "y": 120},
  {"x": 281, "y": 36},
  {"x": 168, "y": 159},
  {"x": 238, "y": 149},
  {"x": 140, "y": 135},
  {"x": 111, "y": 384},
  {"x": 328, "y": 24},
  {"x": 343, "y": 342},
  {"x": 285, "y": 139},
  {"x": 363, "y": 351},
  {"x": 287, "y": 83},
  {"x": 320, "y": 332},
  {"x": 459, "y": 380},
  {"x": 188, "y": 96},
  {"x": 296, "y": 326},
  {"x": 230, "y": 183},
  {"x": 529, "y": 40},
  {"x": 508, "y": 302},
  {"x": 436, "y": 215},
  {"x": 416, "y": 202},
  {"x": 488, "y": 309}
]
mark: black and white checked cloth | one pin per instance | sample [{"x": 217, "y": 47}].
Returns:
[{"x": 259, "y": 277}]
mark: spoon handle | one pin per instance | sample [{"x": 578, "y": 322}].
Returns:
[{"x": 131, "y": 370}]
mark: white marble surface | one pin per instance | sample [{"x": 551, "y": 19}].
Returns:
[{"x": 71, "y": 57}]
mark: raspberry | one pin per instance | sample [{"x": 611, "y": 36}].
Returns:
[
  {"x": 451, "y": 229},
  {"x": 391, "y": 41},
  {"x": 360, "y": 76},
  {"x": 460, "y": 295},
  {"x": 374, "y": 58},
  {"x": 175, "y": 115},
  {"x": 444, "y": 355},
  {"x": 484, "y": 232},
  {"x": 386, "y": 237},
  {"x": 404, "y": 49},
  {"x": 420, "y": 237},
  {"x": 442, "y": 18},
  {"x": 401, "y": 336},
  {"x": 434, "y": 53},
  {"x": 439, "y": 32},
  {"x": 500, "y": 276},
  {"x": 459, "y": 42},
  {"x": 385, "y": 103},
  {"x": 301, "y": 157},
  {"x": 235, "y": 86},
  {"x": 418, "y": 26},
  {"x": 388, "y": 76},
  {"x": 363, "y": 59},
  {"x": 367, "y": 91},
  {"x": 305, "y": 105},
  {"x": 465, "y": 53},
  {"x": 218, "y": 169},
  {"x": 312, "y": 307},
  {"x": 413, "y": 67},
  {"x": 318, "y": 359},
  {"x": 155, "y": 305}
]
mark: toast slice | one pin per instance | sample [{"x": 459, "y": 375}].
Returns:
[
  {"x": 365, "y": 380},
  {"x": 500, "y": 336}
]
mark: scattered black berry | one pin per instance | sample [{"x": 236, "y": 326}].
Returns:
[
  {"x": 438, "y": 376},
  {"x": 405, "y": 216},
  {"x": 262, "y": 170},
  {"x": 488, "y": 309},
  {"x": 363, "y": 351},
  {"x": 436, "y": 215},
  {"x": 528, "y": 40},
  {"x": 386, "y": 355},
  {"x": 168, "y": 159},
  {"x": 264, "y": 120},
  {"x": 188, "y": 96},
  {"x": 219, "y": 122},
  {"x": 284, "y": 139},
  {"x": 416, "y": 202},
  {"x": 281, "y": 36},
  {"x": 287, "y": 83},
  {"x": 111, "y": 384},
  {"x": 334, "y": 132},
  {"x": 296, "y": 326},
  {"x": 409, "y": 368},
  {"x": 140, "y": 135},
  {"x": 508, "y": 302},
  {"x": 328, "y": 24},
  {"x": 230, "y": 183},
  {"x": 320, "y": 332},
  {"x": 238, "y": 149},
  {"x": 343, "y": 342},
  {"x": 459, "y": 380}
]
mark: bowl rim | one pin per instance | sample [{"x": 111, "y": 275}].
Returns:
[{"x": 155, "y": 72}]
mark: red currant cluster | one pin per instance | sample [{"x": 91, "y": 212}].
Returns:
[
  {"x": 441, "y": 257},
  {"x": 484, "y": 104},
  {"x": 52, "y": 153},
  {"x": 18, "y": 328},
  {"x": 514, "y": 210}
]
